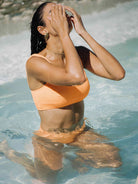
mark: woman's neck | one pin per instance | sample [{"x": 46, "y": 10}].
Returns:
[{"x": 54, "y": 46}]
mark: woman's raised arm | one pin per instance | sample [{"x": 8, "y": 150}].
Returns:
[{"x": 101, "y": 63}]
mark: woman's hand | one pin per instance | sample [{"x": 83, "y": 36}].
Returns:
[
  {"x": 58, "y": 20},
  {"x": 77, "y": 21}
]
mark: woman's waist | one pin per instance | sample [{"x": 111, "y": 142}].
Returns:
[
  {"x": 64, "y": 126},
  {"x": 63, "y": 119},
  {"x": 62, "y": 135}
]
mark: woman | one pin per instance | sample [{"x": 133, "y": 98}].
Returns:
[{"x": 58, "y": 83}]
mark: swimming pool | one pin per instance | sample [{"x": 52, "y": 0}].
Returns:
[{"x": 111, "y": 107}]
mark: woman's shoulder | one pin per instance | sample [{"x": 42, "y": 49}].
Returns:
[
  {"x": 33, "y": 56},
  {"x": 34, "y": 61}
]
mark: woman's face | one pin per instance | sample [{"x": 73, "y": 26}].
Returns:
[{"x": 47, "y": 15}]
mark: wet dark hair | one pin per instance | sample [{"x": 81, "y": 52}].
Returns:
[{"x": 37, "y": 40}]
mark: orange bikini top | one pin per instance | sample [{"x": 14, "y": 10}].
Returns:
[{"x": 50, "y": 96}]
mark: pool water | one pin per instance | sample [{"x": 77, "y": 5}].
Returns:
[{"x": 111, "y": 106}]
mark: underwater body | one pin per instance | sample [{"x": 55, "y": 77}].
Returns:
[{"x": 111, "y": 107}]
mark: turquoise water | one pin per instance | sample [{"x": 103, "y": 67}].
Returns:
[{"x": 111, "y": 106}]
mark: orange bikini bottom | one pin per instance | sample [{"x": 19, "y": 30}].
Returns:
[{"x": 61, "y": 137}]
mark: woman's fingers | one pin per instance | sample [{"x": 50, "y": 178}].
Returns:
[
  {"x": 59, "y": 19},
  {"x": 60, "y": 10},
  {"x": 57, "y": 11},
  {"x": 76, "y": 20},
  {"x": 64, "y": 13},
  {"x": 52, "y": 12},
  {"x": 71, "y": 10}
]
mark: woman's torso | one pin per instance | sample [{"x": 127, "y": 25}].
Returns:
[{"x": 67, "y": 117}]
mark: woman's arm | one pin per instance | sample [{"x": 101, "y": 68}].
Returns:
[
  {"x": 60, "y": 25},
  {"x": 102, "y": 63}
]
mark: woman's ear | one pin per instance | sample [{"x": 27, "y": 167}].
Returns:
[{"x": 42, "y": 30}]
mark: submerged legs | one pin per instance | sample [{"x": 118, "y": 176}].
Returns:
[
  {"x": 94, "y": 151},
  {"x": 91, "y": 149}
]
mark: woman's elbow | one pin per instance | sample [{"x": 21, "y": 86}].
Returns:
[
  {"x": 80, "y": 79},
  {"x": 120, "y": 76}
]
